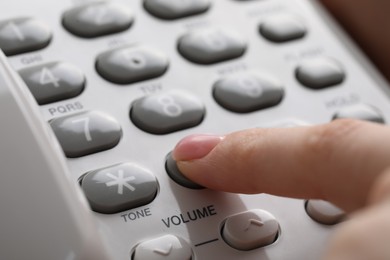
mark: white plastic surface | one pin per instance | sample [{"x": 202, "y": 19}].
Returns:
[
  {"x": 43, "y": 214},
  {"x": 194, "y": 215}
]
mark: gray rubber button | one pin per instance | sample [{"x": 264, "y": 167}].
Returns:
[
  {"x": 251, "y": 229},
  {"x": 163, "y": 248},
  {"x": 175, "y": 174},
  {"x": 324, "y": 212},
  {"x": 119, "y": 187},
  {"x": 97, "y": 19},
  {"x": 22, "y": 35},
  {"x": 86, "y": 133},
  {"x": 167, "y": 112},
  {"x": 131, "y": 64},
  {"x": 283, "y": 28},
  {"x": 320, "y": 72},
  {"x": 174, "y": 9},
  {"x": 361, "y": 112},
  {"x": 211, "y": 45},
  {"x": 53, "y": 81},
  {"x": 248, "y": 91}
]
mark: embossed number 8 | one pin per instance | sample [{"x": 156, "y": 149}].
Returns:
[{"x": 170, "y": 107}]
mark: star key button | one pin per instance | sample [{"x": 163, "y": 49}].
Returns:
[
  {"x": 119, "y": 187},
  {"x": 163, "y": 248},
  {"x": 250, "y": 230}
]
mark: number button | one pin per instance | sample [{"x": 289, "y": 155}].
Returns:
[
  {"x": 210, "y": 46},
  {"x": 248, "y": 92},
  {"x": 22, "y": 35},
  {"x": 164, "y": 113},
  {"x": 131, "y": 64},
  {"x": 53, "y": 81},
  {"x": 86, "y": 133},
  {"x": 97, "y": 19},
  {"x": 174, "y": 9},
  {"x": 282, "y": 28}
]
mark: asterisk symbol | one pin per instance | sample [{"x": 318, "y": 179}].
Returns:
[{"x": 120, "y": 181}]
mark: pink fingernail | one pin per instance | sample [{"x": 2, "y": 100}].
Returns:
[{"x": 195, "y": 147}]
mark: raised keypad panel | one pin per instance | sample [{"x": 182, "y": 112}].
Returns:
[
  {"x": 131, "y": 64},
  {"x": 121, "y": 82},
  {"x": 119, "y": 187},
  {"x": 174, "y": 9},
  {"x": 20, "y": 35},
  {"x": 248, "y": 92},
  {"x": 211, "y": 45},
  {"x": 86, "y": 132},
  {"x": 53, "y": 81},
  {"x": 167, "y": 112},
  {"x": 97, "y": 19}
]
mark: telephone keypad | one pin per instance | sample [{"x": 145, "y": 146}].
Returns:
[
  {"x": 97, "y": 19},
  {"x": 54, "y": 81},
  {"x": 24, "y": 34},
  {"x": 86, "y": 133}
]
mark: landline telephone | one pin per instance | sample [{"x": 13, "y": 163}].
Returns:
[{"x": 94, "y": 96}]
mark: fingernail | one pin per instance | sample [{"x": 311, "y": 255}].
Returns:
[{"x": 195, "y": 147}]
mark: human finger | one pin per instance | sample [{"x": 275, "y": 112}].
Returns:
[{"x": 337, "y": 161}]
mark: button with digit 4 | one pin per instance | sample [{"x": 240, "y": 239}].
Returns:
[
  {"x": 97, "y": 19},
  {"x": 53, "y": 81},
  {"x": 167, "y": 112},
  {"x": 131, "y": 64},
  {"x": 119, "y": 187},
  {"x": 86, "y": 133},
  {"x": 20, "y": 35},
  {"x": 211, "y": 45}
]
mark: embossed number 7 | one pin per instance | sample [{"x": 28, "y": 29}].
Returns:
[{"x": 85, "y": 121}]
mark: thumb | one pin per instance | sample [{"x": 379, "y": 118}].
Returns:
[{"x": 337, "y": 161}]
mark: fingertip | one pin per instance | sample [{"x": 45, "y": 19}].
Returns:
[{"x": 195, "y": 147}]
